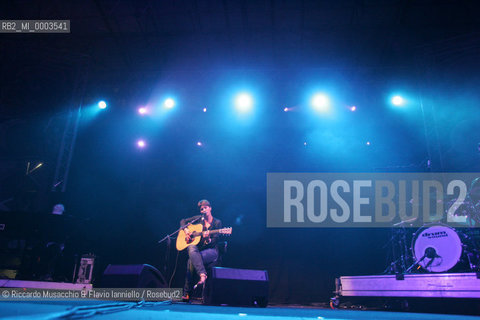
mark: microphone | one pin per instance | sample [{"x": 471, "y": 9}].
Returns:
[
  {"x": 422, "y": 258},
  {"x": 430, "y": 253}
]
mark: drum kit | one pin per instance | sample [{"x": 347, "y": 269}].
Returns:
[{"x": 437, "y": 247}]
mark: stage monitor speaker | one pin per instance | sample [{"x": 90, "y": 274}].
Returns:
[
  {"x": 132, "y": 276},
  {"x": 237, "y": 287}
]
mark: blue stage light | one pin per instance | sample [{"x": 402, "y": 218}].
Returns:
[
  {"x": 320, "y": 102},
  {"x": 141, "y": 143},
  {"x": 169, "y": 103},
  {"x": 102, "y": 104},
  {"x": 244, "y": 102},
  {"x": 398, "y": 101},
  {"x": 142, "y": 110}
]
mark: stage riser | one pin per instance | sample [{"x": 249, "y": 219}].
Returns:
[
  {"x": 44, "y": 285},
  {"x": 446, "y": 285}
]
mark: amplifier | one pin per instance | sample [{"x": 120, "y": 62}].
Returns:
[
  {"x": 132, "y": 276},
  {"x": 237, "y": 287}
]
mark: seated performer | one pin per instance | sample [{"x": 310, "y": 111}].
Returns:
[{"x": 206, "y": 251}]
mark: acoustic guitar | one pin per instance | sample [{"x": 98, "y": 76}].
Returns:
[{"x": 196, "y": 235}]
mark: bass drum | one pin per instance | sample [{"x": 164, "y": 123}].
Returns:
[{"x": 437, "y": 248}]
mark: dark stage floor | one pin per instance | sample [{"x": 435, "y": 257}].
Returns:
[{"x": 106, "y": 310}]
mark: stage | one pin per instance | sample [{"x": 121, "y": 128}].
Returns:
[
  {"x": 278, "y": 158},
  {"x": 166, "y": 311},
  {"x": 357, "y": 297}
]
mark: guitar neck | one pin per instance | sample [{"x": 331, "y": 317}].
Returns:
[{"x": 196, "y": 234}]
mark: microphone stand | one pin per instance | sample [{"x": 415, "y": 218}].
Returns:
[
  {"x": 430, "y": 263},
  {"x": 169, "y": 242},
  {"x": 178, "y": 230},
  {"x": 416, "y": 263}
]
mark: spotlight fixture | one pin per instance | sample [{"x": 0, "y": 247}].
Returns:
[
  {"x": 398, "y": 101},
  {"x": 320, "y": 102},
  {"x": 169, "y": 103},
  {"x": 244, "y": 102},
  {"x": 102, "y": 104}
]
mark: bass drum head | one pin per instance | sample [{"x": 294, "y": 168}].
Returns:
[{"x": 446, "y": 243}]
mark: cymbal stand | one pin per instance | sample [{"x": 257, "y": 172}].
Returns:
[
  {"x": 400, "y": 252},
  {"x": 472, "y": 251}
]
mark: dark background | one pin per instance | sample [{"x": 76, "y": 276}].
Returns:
[{"x": 134, "y": 53}]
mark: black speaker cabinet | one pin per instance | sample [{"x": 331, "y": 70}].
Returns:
[
  {"x": 237, "y": 287},
  {"x": 132, "y": 276}
]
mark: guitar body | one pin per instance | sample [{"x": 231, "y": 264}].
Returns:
[
  {"x": 195, "y": 239},
  {"x": 196, "y": 235}
]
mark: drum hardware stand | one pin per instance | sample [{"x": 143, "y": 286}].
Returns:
[
  {"x": 471, "y": 263},
  {"x": 474, "y": 208},
  {"x": 472, "y": 254},
  {"x": 398, "y": 239},
  {"x": 475, "y": 213}
]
